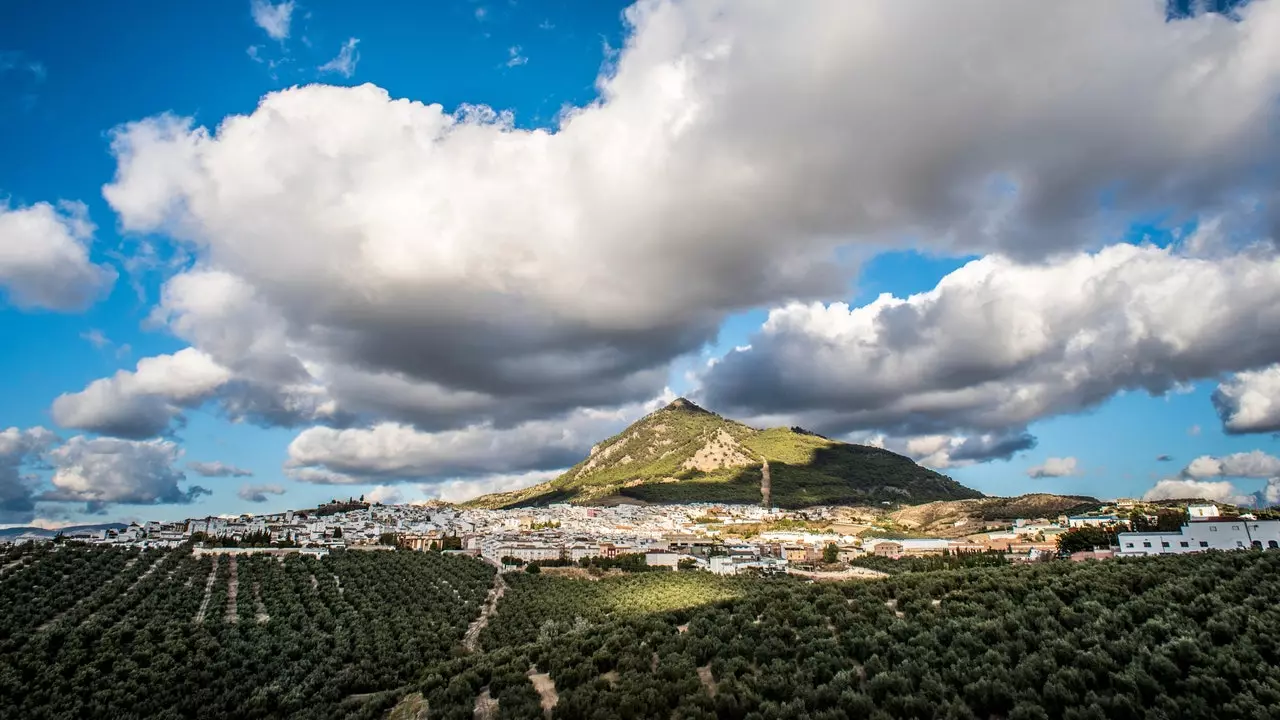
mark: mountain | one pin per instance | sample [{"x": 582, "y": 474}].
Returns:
[
  {"x": 960, "y": 517},
  {"x": 44, "y": 532},
  {"x": 683, "y": 453}
]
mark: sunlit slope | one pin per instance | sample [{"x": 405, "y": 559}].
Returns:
[{"x": 683, "y": 453}]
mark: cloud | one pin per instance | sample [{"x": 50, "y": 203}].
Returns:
[
  {"x": 217, "y": 469},
  {"x": 44, "y": 257},
  {"x": 1249, "y": 402},
  {"x": 258, "y": 493},
  {"x": 447, "y": 269},
  {"x": 17, "y": 448},
  {"x": 999, "y": 343},
  {"x": 1054, "y": 467},
  {"x": 142, "y": 403},
  {"x": 345, "y": 62},
  {"x": 395, "y": 452},
  {"x": 1185, "y": 489},
  {"x": 102, "y": 471},
  {"x": 385, "y": 494},
  {"x": 1255, "y": 464},
  {"x": 514, "y": 58},
  {"x": 942, "y": 452},
  {"x": 1194, "y": 430},
  {"x": 272, "y": 18},
  {"x": 461, "y": 490},
  {"x": 1164, "y": 458}
]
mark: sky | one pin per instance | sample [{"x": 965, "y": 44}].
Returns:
[{"x": 254, "y": 256}]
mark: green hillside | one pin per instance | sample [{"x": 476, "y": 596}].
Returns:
[{"x": 683, "y": 453}]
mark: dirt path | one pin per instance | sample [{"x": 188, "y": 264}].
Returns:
[
  {"x": 766, "y": 486},
  {"x": 471, "y": 641},
  {"x": 850, "y": 574},
  {"x": 546, "y": 688},
  {"x": 11, "y": 565},
  {"x": 486, "y": 707},
  {"x": 258, "y": 605},
  {"x": 233, "y": 589},
  {"x": 709, "y": 682},
  {"x": 208, "y": 591}
]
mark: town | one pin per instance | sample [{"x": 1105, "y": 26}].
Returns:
[{"x": 721, "y": 538}]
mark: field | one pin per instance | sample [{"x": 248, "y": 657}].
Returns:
[
  {"x": 108, "y": 633},
  {"x": 1171, "y": 637}
]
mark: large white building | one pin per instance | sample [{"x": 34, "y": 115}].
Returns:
[{"x": 1204, "y": 533}]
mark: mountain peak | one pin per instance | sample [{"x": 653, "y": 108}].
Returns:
[{"x": 684, "y": 404}]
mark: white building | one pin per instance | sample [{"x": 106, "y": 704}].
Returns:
[
  {"x": 1092, "y": 520},
  {"x": 1203, "y": 511},
  {"x": 1215, "y": 533}
]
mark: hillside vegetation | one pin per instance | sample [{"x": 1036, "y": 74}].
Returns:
[
  {"x": 943, "y": 516},
  {"x": 683, "y": 453},
  {"x": 1189, "y": 636}
]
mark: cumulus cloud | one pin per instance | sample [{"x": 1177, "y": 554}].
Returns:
[
  {"x": 142, "y": 403},
  {"x": 344, "y": 63},
  {"x": 44, "y": 257},
  {"x": 274, "y": 19},
  {"x": 258, "y": 493},
  {"x": 1187, "y": 489},
  {"x": 385, "y": 494},
  {"x": 217, "y": 469},
  {"x": 942, "y": 452},
  {"x": 17, "y": 448},
  {"x": 1000, "y": 343},
  {"x": 1249, "y": 402},
  {"x": 449, "y": 269},
  {"x": 1054, "y": 467},
  {"x": 460, "y": 489},
  {"x": 1254, "y": 464},
  {"x": 396, "y": 452},
  {"x": 102, "y": 471}
]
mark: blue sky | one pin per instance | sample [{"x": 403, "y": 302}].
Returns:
[{"x": 73, "y": 75}]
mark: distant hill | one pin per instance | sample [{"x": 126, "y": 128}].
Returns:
[
  {"x": 43, "y": 532},
  {"x": 683, "y": 453},
  {"x": 942, "y": 517}
]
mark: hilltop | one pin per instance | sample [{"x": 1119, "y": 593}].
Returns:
[
  {"x": 684, "y": 453},
  {"x": 958, "y": 517}
]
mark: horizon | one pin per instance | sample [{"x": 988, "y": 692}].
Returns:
[{"x": 256, "y": 255}]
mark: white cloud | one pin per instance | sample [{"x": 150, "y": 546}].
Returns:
[
  {"x": 1194, "y": 430},
  {"x": 272, "y": 18},
  {"x": 999, "y": 344},
  {"x": 102, "y": 471},
  {"x": 385, "y": 494},
  {"x": 461, "y": 490},
  {"x": 1185, "y": 489},
  {"x": 448, "y": 270},
  {"x": 514, "y": 58},
  {"x": 344, "y": 63},
  {"x": 17, "y": 448},
  {"x": 44, "y": 257},
  {"x": 943, "y": 452},
  {"x": 258, "y": 493},
  {"x": 1054, "y": 467},
  {"x": 96, "y": 338},
  {"x": 142, "y": 403},
  {"x": 1254, "y": 464},
  {"x": 1249, "y": 402},
  {"x": 400, "y": 453},
  {"x": 217, "y": 469}
]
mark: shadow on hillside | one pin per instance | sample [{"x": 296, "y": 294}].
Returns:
[{"x": 835, "y": 475}]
